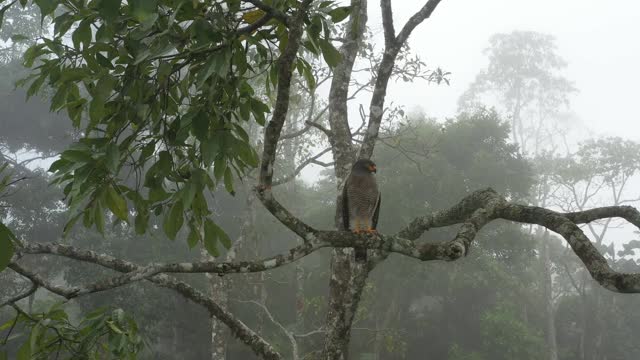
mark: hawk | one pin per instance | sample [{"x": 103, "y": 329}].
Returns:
[{"x": 361, "y": 202}]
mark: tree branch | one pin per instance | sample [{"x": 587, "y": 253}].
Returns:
[
  {"x": 376, "y": 107},
  {"x": 237, "y": 327},
  {"x": 19, "y": 297},
  {"x": 387, "y": 23},
  {"x": 285, "y": 70},
  {"x": 300, "y": 167},
  {"x": 473, "y": 212}
]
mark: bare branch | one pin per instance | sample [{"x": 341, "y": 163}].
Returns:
[
  {"x": 274, "y": 128},
  {"x": 21, "y": 296},
  {"x": 387, "y": 23},
  {"x": 288, "y": 334},
  {"x": 423, "y": 14},
  {"x": 301, "y": 167},
  {"x": 376, "y": 107},
  {"x": 66, "y": 292},
  {"x": 295, "y": 134},
  {"x": 321, "y": 128}
]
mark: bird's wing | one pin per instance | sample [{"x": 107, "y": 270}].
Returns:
[
  {"x": 345, "y": 206},
  {"x": 376, "y": 212}
]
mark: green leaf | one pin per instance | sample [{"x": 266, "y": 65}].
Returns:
[
  {"x": 96, "y": 110},
  {"x": 252, "y": 16},
  {"x": 24, "y": 353},
  {"x": 104, "y": 87},
  {"x": 188, "y": 193},
  {"x": 340, "y": 13},
  {"x": 63, "y": 23},
  {"x": 69, "y": 225},
  {"x": 6, "y": 246},
  {"x": 194, "y": 237},
  {"x": 117, "y": 203},
  {"x": 216, "y": 232},
  {"x": 173, "y": 220},
  {"x": 209, "y": 149},
  {"x": 112, "y": 157},
  {"x": 108, "y": 9},
  {"x": 47, "y": 6},
  {"x": 200, "y": 125},
  {"x": 98, "y": 217},
  {"x": 144, "y": 10},
  {"x": 247, "y": 154},
  {"x": 77, "y": 156},
  {"x": 219, "y": 167},
  {"x": 82, "y": 35},
  {"x": 330, "y": 54},
  {"x": 211, "y": 237},
  {"x": 258, "y": 108},
  {"x": 228, "y": 181},
  {"x": 218, "y": 63},
  {"x": 141, "y": 222}
]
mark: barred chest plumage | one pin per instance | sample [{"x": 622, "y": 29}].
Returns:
[{"x": 362, "y": 191}]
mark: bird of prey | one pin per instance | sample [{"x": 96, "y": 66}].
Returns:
[{"x": 361, "y": 202}]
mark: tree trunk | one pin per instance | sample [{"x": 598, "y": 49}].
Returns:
[
  {"x": 219, "y": 286},
  {"x": 552, "y": 344},
  {"x": 347, "y": 277}
]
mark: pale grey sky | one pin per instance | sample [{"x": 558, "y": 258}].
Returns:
[{"x": 598, "y": 40}]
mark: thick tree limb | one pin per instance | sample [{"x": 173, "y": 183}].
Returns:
[
  {"x": 237, "y": 327},
  {"x": 387, "y": 23},
  {"x": 392, "y": 47},
  {"x": 285, "y": 70},
  {"x": 481, "y": 207},
  {"x": 340, "y": 139}
]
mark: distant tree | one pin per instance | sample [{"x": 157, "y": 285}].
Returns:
[{"x": 523, "y": 80}]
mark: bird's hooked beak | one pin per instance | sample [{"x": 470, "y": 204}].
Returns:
[{"x": 372, "y": 168}]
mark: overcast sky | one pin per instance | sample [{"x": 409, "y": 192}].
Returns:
[{"x": 599, "y": 40}]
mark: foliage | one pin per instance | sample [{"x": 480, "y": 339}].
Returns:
[
  {"x": 103, "y": 333},
  {"x": 167, "y": 89},
  {"x": 507, "y": 337}
]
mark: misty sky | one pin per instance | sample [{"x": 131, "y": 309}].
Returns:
[{"x": 599, "y": 43}]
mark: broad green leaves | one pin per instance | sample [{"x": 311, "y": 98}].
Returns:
[
  {"x": 103, "y": 333},
  {"x": 163, "y": 93}
]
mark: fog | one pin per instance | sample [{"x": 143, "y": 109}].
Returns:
[
  {"x": 598, "y": 42},
  {"x": 177, "y": 186}
]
